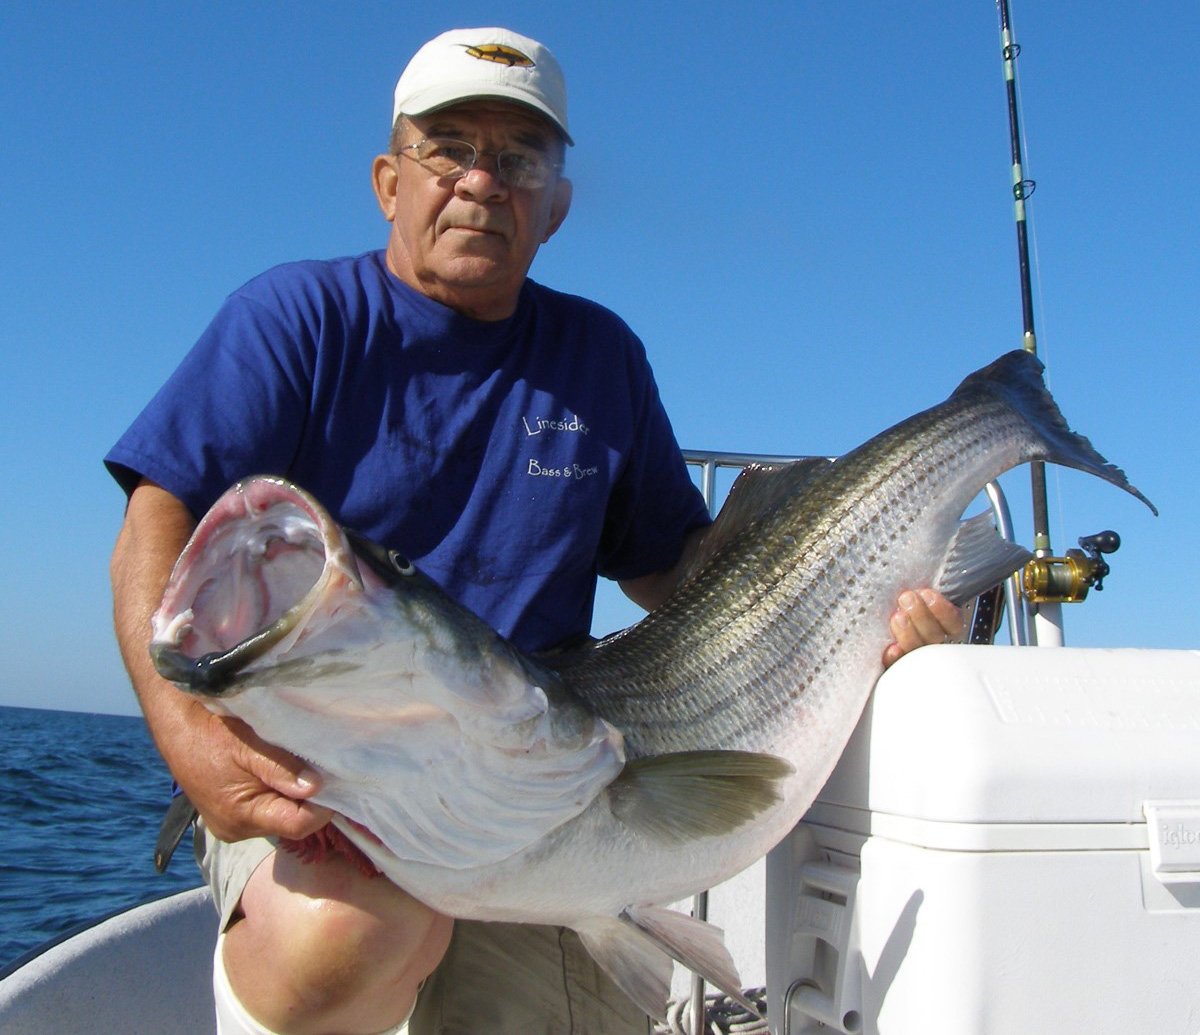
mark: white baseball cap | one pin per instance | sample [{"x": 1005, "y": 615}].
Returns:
[{"x": 470, "y": 64}]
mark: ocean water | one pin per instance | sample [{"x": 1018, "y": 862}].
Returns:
[{"x": 81, "y": 798}]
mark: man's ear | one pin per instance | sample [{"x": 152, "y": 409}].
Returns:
[
  {"x": 385, "y": 179},
  {"x": 559, "y": 207}
]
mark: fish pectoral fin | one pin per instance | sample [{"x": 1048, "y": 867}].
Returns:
[
  {"x": 976, "y": 560},
  {"x": 635, "y": 961},
  {"x": 687, "y": 795},
  {"x": 697, "y": 944}
]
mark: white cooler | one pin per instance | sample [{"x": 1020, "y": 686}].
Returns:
[{"x": 1009, "y": 845}]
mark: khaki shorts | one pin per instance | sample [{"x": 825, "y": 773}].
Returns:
[
  {"x": 227, "y": 867},
  {"x": 495, "y": 979}
]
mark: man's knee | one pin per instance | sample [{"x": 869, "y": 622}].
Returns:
[{"x": 320, "y": 946}]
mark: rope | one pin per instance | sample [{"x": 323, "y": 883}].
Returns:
[{"x": 722, "y": 1016}]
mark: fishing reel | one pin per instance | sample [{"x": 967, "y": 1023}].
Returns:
[{"x": 1066, "y": 580}]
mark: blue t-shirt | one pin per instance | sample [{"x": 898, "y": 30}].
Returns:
[{"x": 512, "y": 461}]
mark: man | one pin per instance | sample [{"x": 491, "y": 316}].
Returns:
[{"x": 435, "y": 399}]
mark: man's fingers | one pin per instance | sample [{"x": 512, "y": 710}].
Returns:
[
  {"x": 278, "y": 769},
  {"x": 245, "y": 787},
  {"x": 284, "y": 772},
  {"x": 287, "y": 781},
  {"x": 935, "y": 618},
  {"x": 920, "y": 618},
  {"x": 951, "y": 620},
  {"x": 294, "y": 820},
  {"x": 266, "y": 814},
  {"x": 250, "y": 808}
]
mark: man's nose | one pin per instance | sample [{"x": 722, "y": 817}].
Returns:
[{"x": 482, "y": 181}]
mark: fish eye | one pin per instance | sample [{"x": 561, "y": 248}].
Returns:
[{"x": 401, "y": 563}]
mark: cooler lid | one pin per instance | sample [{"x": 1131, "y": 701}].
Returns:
[{"x": 1024, "y": 735}]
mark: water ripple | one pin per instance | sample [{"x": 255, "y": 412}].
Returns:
[{"x": 81, "y": 797}]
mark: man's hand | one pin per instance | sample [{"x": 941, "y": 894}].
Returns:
[
  {"x": 243, "y": 786},
  {"x": 921, "y": 617}
]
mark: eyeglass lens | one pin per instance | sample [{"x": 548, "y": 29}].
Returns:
[{"x": 446, "y": 157}]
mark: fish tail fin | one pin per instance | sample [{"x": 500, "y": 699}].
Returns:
[
  {"x": 636, "y": 949},
  {"x": 1017, "y": 378}
]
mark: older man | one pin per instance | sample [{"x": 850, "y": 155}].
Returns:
[{"x": 426, "y": 394}]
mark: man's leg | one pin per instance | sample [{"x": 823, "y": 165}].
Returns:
[
  {"x": 522, "y": 979},
  {"x": 318, "y": 947}
]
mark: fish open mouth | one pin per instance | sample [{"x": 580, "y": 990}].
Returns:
[{"x": 253, "y": 573}]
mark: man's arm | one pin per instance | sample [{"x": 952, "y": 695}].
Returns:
[
  {"x": 649, "y": 591},
  {"x": 242, "y": 786},
  {"x": 921, "y": 617}
]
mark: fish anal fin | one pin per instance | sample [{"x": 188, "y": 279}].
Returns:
[
  {"x": 698, "y": 945},
  {"x": 977, "y": 559},
  {"x": 634, "y": 960},
  {"x": 678, "y": 797}
]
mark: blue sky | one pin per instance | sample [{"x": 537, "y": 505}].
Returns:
[{"x": 804, "y": 209}]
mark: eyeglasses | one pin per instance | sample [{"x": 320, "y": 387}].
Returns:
[{"x": 519, "y": 167}]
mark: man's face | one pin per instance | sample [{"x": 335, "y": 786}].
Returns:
[{"x": 469, "y": 242}]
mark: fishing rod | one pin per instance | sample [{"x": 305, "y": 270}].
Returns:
[
  {"x": 1047, "y": 616},
  {"x": 1047, "y": 581}
]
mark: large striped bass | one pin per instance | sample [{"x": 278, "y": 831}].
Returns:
[{"x": 591, "y": 788}]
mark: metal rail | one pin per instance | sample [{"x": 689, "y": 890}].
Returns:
[{"x": 709, "y": 461}]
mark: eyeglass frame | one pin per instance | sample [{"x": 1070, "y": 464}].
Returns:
[{"x": 551, "y": 167}]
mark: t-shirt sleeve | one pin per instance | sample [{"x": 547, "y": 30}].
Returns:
[
  {"x": 236, "y": 406},
  {"x": 654, "y": 504}
]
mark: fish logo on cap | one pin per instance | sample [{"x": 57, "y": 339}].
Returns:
[{"x": 501, "y": 54}]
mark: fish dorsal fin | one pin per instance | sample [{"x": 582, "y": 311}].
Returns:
[
  {"x": 678, "y": 797},
  {"x": 977, "y": 559},
  {"x": 756, "y": 493}
]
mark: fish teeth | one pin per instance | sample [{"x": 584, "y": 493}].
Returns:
[{"x": 177, "y": 629}]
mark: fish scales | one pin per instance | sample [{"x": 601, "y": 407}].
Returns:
[
  {"x": 580, "y": 789},
  {"x": 696, "y": 669}
]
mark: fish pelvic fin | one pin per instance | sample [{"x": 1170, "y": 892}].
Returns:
[
  {"x": 1017, "y": 378},
  {"x": 686, "y": 795},
  {"x": 977, "y": 559}
]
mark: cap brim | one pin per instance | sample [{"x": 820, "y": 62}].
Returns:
[{"x": 426, "y": 102}]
